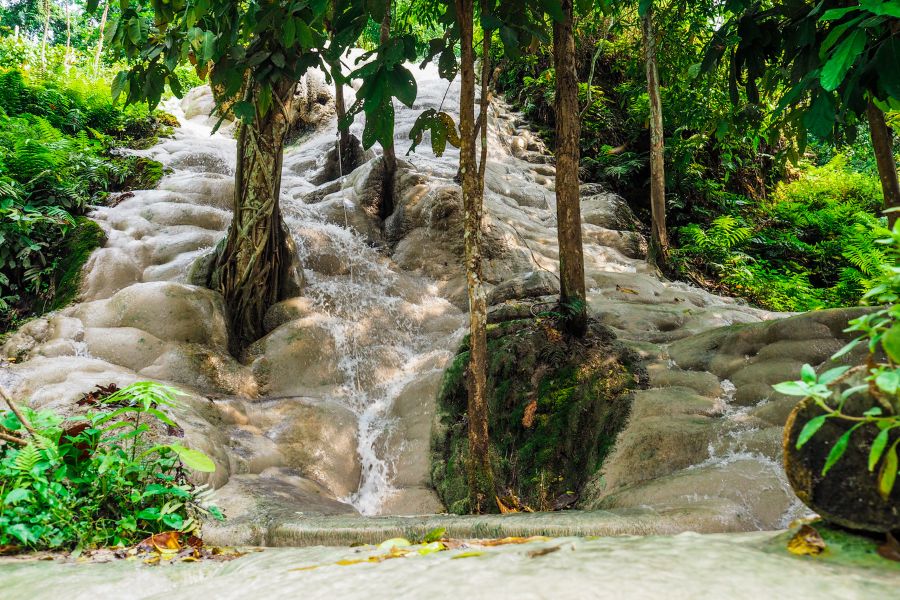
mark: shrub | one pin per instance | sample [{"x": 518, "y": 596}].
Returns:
[
  {"x": 98, "y": 479},
  {"x": 813, "y": 245}
]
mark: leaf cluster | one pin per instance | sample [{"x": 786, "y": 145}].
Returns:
[{"x": 99, "y": 479}]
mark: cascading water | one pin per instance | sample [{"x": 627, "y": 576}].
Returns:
[{"x": 380, "y": 316}]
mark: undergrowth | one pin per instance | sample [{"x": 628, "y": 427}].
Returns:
[{"x": 98, "y": 479}]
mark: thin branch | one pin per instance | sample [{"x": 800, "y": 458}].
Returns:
[
  {"x": 12, "y": 439},
  {"x": 12, "y": 405}
]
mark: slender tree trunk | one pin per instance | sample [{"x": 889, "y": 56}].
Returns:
[
  {"x": 68, "y": 38},
  {"x": 46, "y": 33},
  {"x": 572, "y": 295},
  {"x": 389, "y": 155},
  {"x": 659, "y": 239},
  {"x": 480, "y": 475},
  {"x": 99, "y": 51},
  {"x": 256, "y": 267},
  {"x": 882, "y": 142},
  {"x": 340, "y": 109}
]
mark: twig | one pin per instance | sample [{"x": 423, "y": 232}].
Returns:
[
  {"x": 17, "y": 412},
  {"x": 12, "y": 439}
]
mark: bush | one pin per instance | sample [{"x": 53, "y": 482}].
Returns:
[
  {"x": 813, "y": 245},
  {"x": 98, "y": 479}
]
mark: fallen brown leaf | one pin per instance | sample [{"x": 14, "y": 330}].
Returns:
[{"x": 807, "y": 541}]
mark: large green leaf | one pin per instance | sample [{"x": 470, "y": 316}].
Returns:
[
  {"x": 194, "y": 459},
  {"x": 403, "y": 85},
  {"x": 845, "y": 54},
  {"x": 887, "y": 66},
  {"x": 891, "y": 342}
]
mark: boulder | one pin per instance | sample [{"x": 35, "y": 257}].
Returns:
[{"x": 848, "y": 494}]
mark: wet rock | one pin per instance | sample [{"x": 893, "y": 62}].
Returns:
[
  {"x": 848, "y": 493},
  {"x": 609, "y": 211},
  {"x": 299, "y": 358},
  {"x": 529, "y": 285}
]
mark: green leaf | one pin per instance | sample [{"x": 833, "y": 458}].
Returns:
[
  {"x": 887, "y": 65},
  {"x": 304, "y": 34},
  {"x": 837, "y": 451},
  {"x": 403, "y": 85},
  {"x": 134, "y": 30},
  {"x": 245, "y": 111},
  {"x": 837, "y": 13},
  {"x": 832, "y": 374},
  {"x": 888, "y": 382},
  {"x": 17, "y": 495},
  {"x": 842, "y": 59},
  {"x": 819, "y": 119},
  {"x": 791, "y": 388},
  {"x": 118, "y": 84},
  {"x": 811, "y": 427},
  {"x": 435, "y": 534},
  {"x": 194, "y": 459},
  {"x": 554, "y": 9},
  {"x": 891, "y": 342},
  {"x": 878, "y": 446},
  {"x": 288, "y": 33},
  {"x": 808, "y": 373},
  {"x": 644, "y": 7},
  {"x": 149, "y": 514},
  {"x": 888, "y": 474}
]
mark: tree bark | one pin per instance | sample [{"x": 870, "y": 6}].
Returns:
[
  {"x": 47, "y": 9},
  {"x": 68, "y": 38},
  {"x": 882, "y": 142},
  {"x": 480, "y": 474},
  {"x": 256, "y": 268},
  {"x": 389, "y": 156},
  {"x": 659, "y": 243},
  {"x": 340, "y": 108},
  {"x": 572, "y": 295},
  {"x": 99, "y": 51}
]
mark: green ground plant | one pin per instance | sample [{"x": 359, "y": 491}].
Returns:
[
  {"x": 877, "y": 381},
  {"x": 98, "y": 479}
]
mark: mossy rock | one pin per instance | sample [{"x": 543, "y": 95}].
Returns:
[
  {"x": 142, "y": 174},
  {"x": 848, "y": 495},
  {"x": 556, "y": 405},
  {"x": 842, "y": 547},
  {"x": 86, "y": 237}
]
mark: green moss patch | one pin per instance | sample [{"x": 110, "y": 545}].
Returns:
[
  {"x": 86, "y": 237},
  {"x": 556, "y": 405},
  {"x": 842, "y": 547}
]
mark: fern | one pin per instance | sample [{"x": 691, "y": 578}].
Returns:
[{"x": 27, "y": 458}]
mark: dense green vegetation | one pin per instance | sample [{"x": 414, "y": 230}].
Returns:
[
  {"x": 556, "y": 405},
  {"x": 99, "y": 479},
  {"x": 746, "y": 221},
  {"x": 58, "y": 131}
]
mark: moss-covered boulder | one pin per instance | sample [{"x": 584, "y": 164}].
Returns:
[
  {"x": 86, "y": 237},
  {"x": 556, "y": 405},
  {"x": 848, "y": 494}
]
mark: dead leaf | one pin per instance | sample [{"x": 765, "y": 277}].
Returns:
[
  {"x": 468, "y": 554},
  {"x": 512, "y": 540},
  {"x": 503, "y": 508},
  {"x": 890, "y": 549},
  {"x": 543, "y": 551},
  {"x": 528, "y": 417},
  {"x": 168, "y": 541},
  {"x": 626, "y": 290},
  {"x": 807, "y": 541}
]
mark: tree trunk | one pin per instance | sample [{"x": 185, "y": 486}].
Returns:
[
  {"x": 99, "y": 51},
  {"x": 68, "y": 38},
  {"x": 46, "y": 33},
  {"x": 882, "y": 142},
  {"x": 345, "y": 147},
  {"x": 256, "y": 268},
  {"x": 659, "y": 243},
  {"x": 389, "y": 156},
  {"x": 568, "y": 198},
  {"x": 480, "y": 475}
]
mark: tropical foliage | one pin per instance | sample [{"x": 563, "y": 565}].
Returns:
[{"x": 98, "y": 479}]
